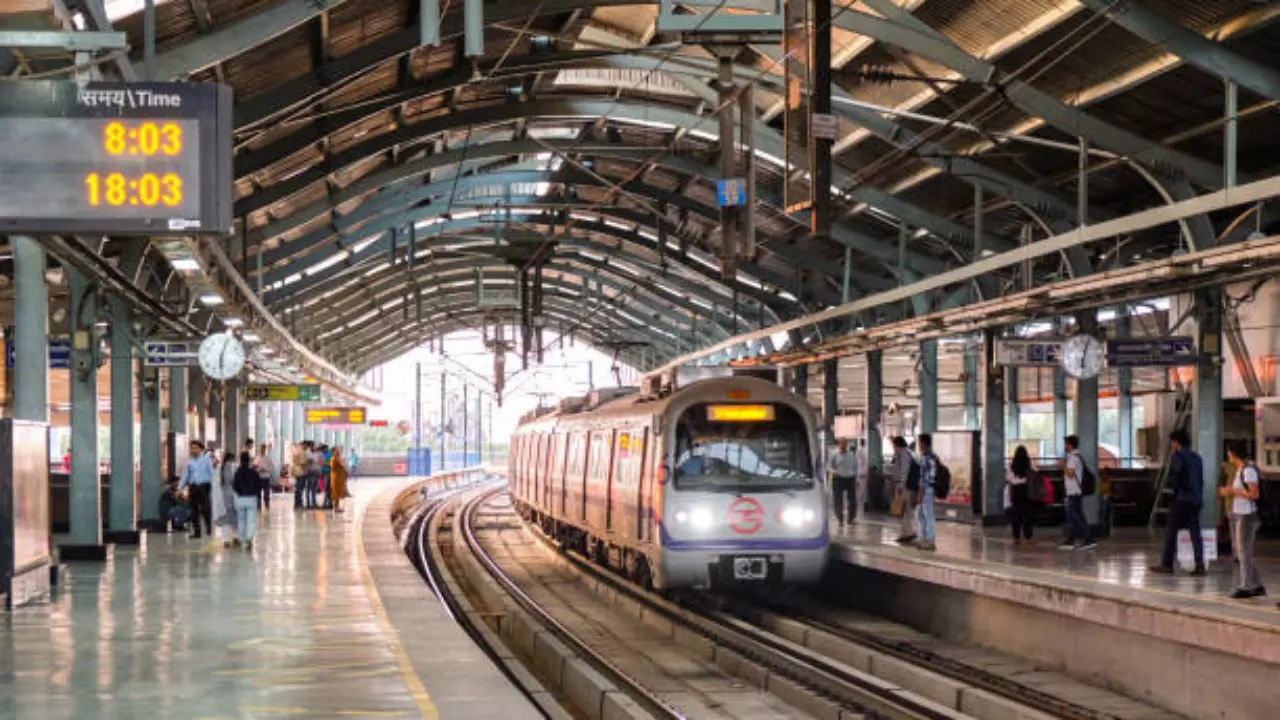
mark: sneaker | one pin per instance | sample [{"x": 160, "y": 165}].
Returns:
[
  {"x": 248, "y": 545},
  {"x": 1161, "y": 569},
  {"x": 906, "y": 539},
  {"x": 1089, "y": 545},
  {"x": 1259, "y": 591},
  {"x": 925, "y": 545},
  {"x": 1067, "y": 546},
  {"x": 1241, "y": 594},
  {"x": 1199, "y": 572}
]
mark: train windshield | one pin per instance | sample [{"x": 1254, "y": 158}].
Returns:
[{"x": 756, "y": 447}]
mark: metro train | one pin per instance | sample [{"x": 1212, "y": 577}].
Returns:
[{"x": 716, "y": 485}]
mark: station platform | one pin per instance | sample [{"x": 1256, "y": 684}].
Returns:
[
  {"x": 1099, "y": 614},
  {"x": 319, "y": 620}
]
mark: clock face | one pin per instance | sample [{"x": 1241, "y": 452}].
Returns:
[
  {"x": 221, "y": 356},
  {"x": 1082, "y": 357}
]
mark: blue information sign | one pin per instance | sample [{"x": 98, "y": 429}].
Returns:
[
  {"x": 731, "y": 192},
  {"x": 1151, "y": 351},
  {"x": 59, "y": 354}
]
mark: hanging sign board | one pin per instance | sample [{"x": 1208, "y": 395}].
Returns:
[
  {"x": 1162, "y": 352},
  {"x": 170, "y": 353},
  {"x": 284, "y": 393},
  {"x": 824, "y": 126},
  {"x": 336, "y": 416},
  {"x": 731, "y": 192},
  {"x": 120, "y": 158},
  {"x": 1029, "y": 353},
  {"x": 59, "y": 354}
]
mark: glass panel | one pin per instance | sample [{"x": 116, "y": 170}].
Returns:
[{"x": 734, "y": 455}]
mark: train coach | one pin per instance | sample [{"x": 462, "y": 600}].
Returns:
[{"x": 715, "y": 485}]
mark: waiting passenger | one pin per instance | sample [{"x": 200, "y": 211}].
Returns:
[
  {"x": 326, "y": 469},
  {"x": 1187, "y": 470},
  {"x": 247, "y": 485},
  {"x": 298, "y": 469},
  {"x": 902, "y": 470},
  {"x": 224, "y": 503},
  {"x": 1076, "y": 475},
  {"x": 267, "y": 469},
  {"x": 337, "y": 479},
  {"x": 843, "y": 466},
  {"x": 197, "y": 477},
  {"x": 924, "y": 499},
  {"x": 1019, "y": 477},
  {"x": 1242, "y": 505}
]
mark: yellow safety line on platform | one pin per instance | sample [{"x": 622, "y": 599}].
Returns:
[{"x": 411, "y": 680}]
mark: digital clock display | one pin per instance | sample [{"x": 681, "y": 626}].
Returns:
[{"x": 142, "y": 158}]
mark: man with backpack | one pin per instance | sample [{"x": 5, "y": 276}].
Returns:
[
  {"x": 1187, "y": 470},
  {"x": 1079, "y": 481},
  {"x": 935, "y": 482}
]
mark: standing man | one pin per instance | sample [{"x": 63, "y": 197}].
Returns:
[
  {"x": 1075, "y": 474},
  {"x": 197, "y": 479},
  {"x": 860, "y": 487},
  {"x": 924, "y": 500},
  {"x": 902, "y": 471},
  {"x": 1187, "y": 470},
  {"x": 267, "y": 470},
  {"x": 843, "y": 468}
]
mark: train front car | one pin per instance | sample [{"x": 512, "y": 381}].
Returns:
[{"x": 742, "y": 501}]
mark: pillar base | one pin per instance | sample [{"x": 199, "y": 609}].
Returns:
[
  {"x": 156, "y": 526},
  {"x": 122, "y": 537},
  {"x": 57, "y": 574},
  {"x": 84, "y": 551}
]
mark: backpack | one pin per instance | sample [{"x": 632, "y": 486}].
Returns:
[
  {"x": 1266, "y": 511},
  {"x": 941, "y": 479},
  {"x": 913, "y": 476},
  {"x": 1088, "y": 481}
]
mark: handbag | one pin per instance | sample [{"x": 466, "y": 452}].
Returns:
[{"x": 896, "y": 506}]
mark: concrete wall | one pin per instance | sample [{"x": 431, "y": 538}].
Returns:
[{"x": 1186, "y": 679}]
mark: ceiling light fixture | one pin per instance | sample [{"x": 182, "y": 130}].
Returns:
[
  {"x": 211, "y": 299},
  {"x": 232, "y": 322},
  {"x": 185, "y": 264}
]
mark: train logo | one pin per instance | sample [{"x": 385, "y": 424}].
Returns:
[{"x": 746, "y": 516}]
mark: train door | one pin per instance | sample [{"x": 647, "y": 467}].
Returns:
[
  {"x": 644, "y": 482},
  {"x": 513, "y": 467},
  {"x": 555, "y": 483},
  {"x": 572, "y": 496}
]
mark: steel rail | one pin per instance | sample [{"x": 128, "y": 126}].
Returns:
[{"x": 638, "y": 692}]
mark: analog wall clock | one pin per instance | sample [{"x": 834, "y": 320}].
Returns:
[
  {"x": 221, "y": 356},
  {"x": 1082, "y": 357}
]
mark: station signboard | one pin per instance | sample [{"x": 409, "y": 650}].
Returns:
[
  {"x": 59, "y": 354},
  {"x": 170, "y": 353},
  {"x": 731, "y": 192},
  {"x": 336, "y": 416},
  {"x": 1146, "y": 352},
  {"x": 1029, "y": 353},
  {"x": 283, "y": 393},
  {"x": 119, "y": 158}
]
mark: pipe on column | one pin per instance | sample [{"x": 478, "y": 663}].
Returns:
[{"x": 928, "y": 380}]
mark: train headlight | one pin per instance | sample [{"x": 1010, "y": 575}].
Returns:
[
  {"x": 699, "y": 518},
  {"x": 797, "y": 517}
]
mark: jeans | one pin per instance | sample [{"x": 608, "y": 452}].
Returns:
[
  {"x": 200, "y": 508},
  {"x": 313, "y": 484},
  {"x": 1244, "y": 528},
  {"x": 842, "y": 489},
  {"x": 924, "y": 515},
  {"x": 1182, "y": 515},
  {"x": 1078, "y": 523},
  {"x": 246, "y": 516},
  {"x": 299, "y": 484}
]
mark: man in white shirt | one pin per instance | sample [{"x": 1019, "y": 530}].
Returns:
[
  {"x": 843, "y": 467},
  {"x": 1081, "y": 535}
]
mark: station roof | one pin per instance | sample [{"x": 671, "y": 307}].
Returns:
[{"x": 587, "y": 138}]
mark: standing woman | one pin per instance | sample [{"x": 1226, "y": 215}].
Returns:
[
  {"x": 337, "y": 479},
  {"x": 1019, "y": 476},
  {"x": 224, "y": 502},
  {"x": 1242, "y": 495},
  {"x": 247, "y": 487}
]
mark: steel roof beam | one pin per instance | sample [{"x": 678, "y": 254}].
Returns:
[{"x": 1154, "y": 26}]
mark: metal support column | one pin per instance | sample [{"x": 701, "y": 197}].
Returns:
[
  {"x": 928, "y": 381},
  {"x": 473, "y": 27},
  {"x": 993, "y": 444},
  {"x": 820, "y": 104},
  {"x": 874, "y": 407},
  {"x": 31, "y": 331},
  {"x": 199, "y": 399},
  {"x": 1124, "y": 394},
  {"x": 1012, "y": 405},
  {"x": 466, "y": 436},
  {"x": 231, "y": 419},
  {"x": 1231, "y": 130},
  {"x": 800, "y": 380},
  {"x": 971, "y": 372},
  {"x": 122, "y": 518},
  {"x": 299, "y": 420},
  {"x": 443, "y": 436},
  {"x": 259, "y": 424},
  {"x": 730, "y": 215},
  {"x": 1208, "y": 398},
  {"x": 848, "y": 274},
  {"x": 830, "y": 390},
  {"x": 85, "y": 537},
  {"x": 178, "y": 402},
  {"x": 244, "y": 431},
  {"x": 276, "y": 440},
  {"x": 151, "y": 462},
  {"x": 1087, "y": 416}
]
